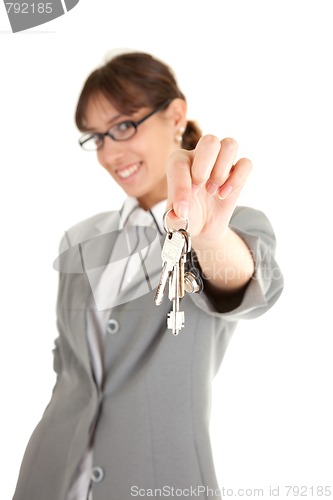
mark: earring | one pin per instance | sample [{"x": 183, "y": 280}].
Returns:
[{"x": 179, "y": 136}]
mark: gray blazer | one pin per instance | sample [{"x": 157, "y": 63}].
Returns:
[{"x": 150, "y": 418}]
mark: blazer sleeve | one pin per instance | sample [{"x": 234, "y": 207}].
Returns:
[{"x": 266, "y": 284}]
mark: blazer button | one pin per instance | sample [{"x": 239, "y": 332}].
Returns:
[
  {"x": 97, "y": 474},
  {"x": 112, "y": 326}
]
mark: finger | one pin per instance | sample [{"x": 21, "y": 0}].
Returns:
[
  {"x": 205, "y": 156},
  {"x": 223, "y": 165},
  {"x": 236, "y": 180},
  {"x": 180, "y": 183}
]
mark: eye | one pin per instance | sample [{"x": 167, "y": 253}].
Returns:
[
  {"x": 91, "y": 142},
  {"x": 123, "y": 126},
  {"x": 97, "y": 139}
]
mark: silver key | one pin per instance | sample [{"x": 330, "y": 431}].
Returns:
[
  {"x": 181, "y": 281},
  {"x": 182, "y": 263},
  {"x": 176, "y": 318},
  {"x": 172, "y": 251},
  {"x": 192, "y": 280}
]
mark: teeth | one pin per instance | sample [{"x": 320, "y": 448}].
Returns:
[{"x": 127, "y": 171}]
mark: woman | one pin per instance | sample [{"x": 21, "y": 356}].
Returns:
[{"x": 129, "y": 414}]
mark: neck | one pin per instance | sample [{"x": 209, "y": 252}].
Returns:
[{"x": 147, "y": 201}]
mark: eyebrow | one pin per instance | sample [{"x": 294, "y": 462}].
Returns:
[
  {"x": 115, "y": 118},
  {"x": 109, "y": 122}
]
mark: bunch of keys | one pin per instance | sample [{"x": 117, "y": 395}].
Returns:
[{"x": 176, "y": 252}]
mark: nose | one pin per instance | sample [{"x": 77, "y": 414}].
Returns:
[{"x": 111, "y": 151}]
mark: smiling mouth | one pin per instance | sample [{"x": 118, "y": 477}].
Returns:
[{"x": 125, "y": 173}]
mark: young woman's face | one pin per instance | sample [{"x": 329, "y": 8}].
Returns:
[{"x": 138, "y": 164}]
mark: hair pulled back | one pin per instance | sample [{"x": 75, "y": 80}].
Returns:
[{"x": 131, "y": 81}]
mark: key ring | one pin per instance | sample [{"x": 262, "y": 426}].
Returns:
[{"x": 166, "y": 229}]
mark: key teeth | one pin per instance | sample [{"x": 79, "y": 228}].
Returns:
[
  {"x": 179, "y": 324},
  {"x": 158, "y": 298}
]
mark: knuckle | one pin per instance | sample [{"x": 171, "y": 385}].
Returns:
[
  {"x": 229, "y": 144},
  {"x": 180, "y": 164},
  {"x": 177, "y": 163},
  {"x": 219, "y": 180},
  {"x": 199, "y": 180},
  {"x": 211, "y": 140},
  {"x": 199, "y": 174}
]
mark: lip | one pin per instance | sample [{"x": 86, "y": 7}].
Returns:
[{"x": 128, "y": 172}]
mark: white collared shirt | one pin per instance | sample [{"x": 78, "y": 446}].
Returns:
[{"x": 111, "y": 285}]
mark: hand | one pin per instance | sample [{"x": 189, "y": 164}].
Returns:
[{"x": 204, "y": 185}]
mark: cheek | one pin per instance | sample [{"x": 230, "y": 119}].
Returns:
[
  {"x": 101, "y": 159},
  {"x": 162, "y": 151},
  {"x": 162, "y": 145}
]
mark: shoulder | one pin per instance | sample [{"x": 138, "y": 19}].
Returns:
[
  {"x": 252, "y": 221},
  {"x": 91, "y": 227},
  {"x": 248, "y": 216}
]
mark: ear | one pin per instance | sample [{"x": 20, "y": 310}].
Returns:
[{"x": 177, "y": 110}]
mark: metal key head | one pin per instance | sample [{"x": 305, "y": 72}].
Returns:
[
  {"x": 182, "y": 261},
  {"x": 172, "y": 250},
  {"x": 173, "y": 247}
]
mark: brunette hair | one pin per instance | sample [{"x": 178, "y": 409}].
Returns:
[{"x": 130, "y": 81}]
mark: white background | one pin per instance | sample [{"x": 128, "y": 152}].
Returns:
[{"x": 258, "y": 71}]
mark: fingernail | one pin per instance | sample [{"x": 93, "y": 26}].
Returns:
[
  {"x": 224, "y": 192},
  {"x": 211, "y": 187},
  {"x": 183, "y": 209}
]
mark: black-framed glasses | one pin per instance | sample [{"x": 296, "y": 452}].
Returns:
[{"x": 122, "y": 131}]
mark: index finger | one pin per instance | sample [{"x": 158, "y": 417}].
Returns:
[{"x": 180, "y": 183}]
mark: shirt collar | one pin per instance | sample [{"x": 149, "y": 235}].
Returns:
[{"x": 131, "y": 209}]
